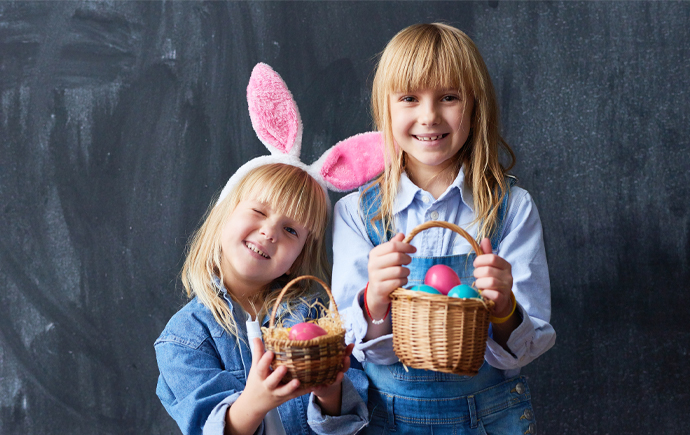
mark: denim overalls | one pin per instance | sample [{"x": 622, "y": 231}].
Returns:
[{"x": 412, "y": 401}]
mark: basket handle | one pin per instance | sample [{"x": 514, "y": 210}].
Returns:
[
  {"x": 489, "y": 304},
  {"x": 442, "y": 224},
  {"x": 290, "y": 284}
]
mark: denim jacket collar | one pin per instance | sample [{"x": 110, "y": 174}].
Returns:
[{"x": 238, "y": 310}]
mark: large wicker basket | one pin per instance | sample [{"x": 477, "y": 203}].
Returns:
[
  {"x": 437, "y": 332},
  {"x": 313, "y": 362}
]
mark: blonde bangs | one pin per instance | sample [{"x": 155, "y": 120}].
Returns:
[
  {"x": 424, "y": 57},
  {"x": 288, "y": 190}
]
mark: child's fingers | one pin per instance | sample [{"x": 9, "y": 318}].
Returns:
[
  {"x": 272, "y": 380},
  {"x": 388, "y": 259},
  {"x": 389, "y": 273},
  {"x": 289, "y": 390},
  {"x": 491, "y": 260},
  {"x": 263, "y": 366},
  {"x": 395, "y": 244},
  {"x": 258, "y": 351},
  {"x": 485, "y": 244},
  {"x": 503, "y": 302},
  {"x": 488, "y": 258}
]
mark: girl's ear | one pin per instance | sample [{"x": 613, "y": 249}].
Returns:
[
  {"x": 273, "y": 112},
  {"x": 352, "y": 162}
]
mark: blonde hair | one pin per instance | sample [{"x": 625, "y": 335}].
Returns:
[
  {"x": 286, "y": 189},
  {"x": 438, "y": 56}
]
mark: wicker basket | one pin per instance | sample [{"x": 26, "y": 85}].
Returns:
[
  {"x": 437, "y": 332},
  {"x": 313, "y": 362}
]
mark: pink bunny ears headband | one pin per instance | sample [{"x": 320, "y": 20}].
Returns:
[{"x": 276, "y": 120}]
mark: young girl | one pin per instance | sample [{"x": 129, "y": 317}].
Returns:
[
  {"x": 434, "y": 103},
  {"x": 267, "y": 227}
]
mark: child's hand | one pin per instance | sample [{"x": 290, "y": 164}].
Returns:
[
  {"x": 264, "y": 390},
  {"x": 386, "y": 272},
  {"x": 493, "y": 276},
  {"x": 329, "y": 397},
  {"x": 262, "y": 393}
]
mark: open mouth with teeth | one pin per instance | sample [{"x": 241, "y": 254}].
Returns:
[
  {"x": 252, "y": 247},
  {"x": 430, "y": 138}
]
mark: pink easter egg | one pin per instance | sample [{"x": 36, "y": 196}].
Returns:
[
  {"x": 442, "y": 278},
  {"x": 306, "y": 331}
]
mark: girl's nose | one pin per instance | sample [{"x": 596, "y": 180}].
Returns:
[
  {"x": 428, "y": 114},
  {"x": 269, "y": 232}
]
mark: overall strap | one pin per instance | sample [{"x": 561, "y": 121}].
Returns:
[
  {"x": 370, "y": 203},
  {"x": 502, "y": 213}
]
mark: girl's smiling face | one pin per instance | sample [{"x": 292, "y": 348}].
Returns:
[
  {"x": 258, "y": 245},
  {"x": 431, "y": 126}
]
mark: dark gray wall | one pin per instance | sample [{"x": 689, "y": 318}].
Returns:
[{"x": 120, "y": 120}]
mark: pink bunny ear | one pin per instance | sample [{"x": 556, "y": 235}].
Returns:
[
  {"x": 352, "y": 162},
  {"x": 273, "y": 111}
]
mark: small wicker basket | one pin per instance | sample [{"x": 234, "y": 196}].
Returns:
[
  {"x": 437, "y": 332},
  {"x": 313, "y": 362}
]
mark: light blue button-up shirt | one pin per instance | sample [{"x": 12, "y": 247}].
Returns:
[{"x": 521, "y": 245}]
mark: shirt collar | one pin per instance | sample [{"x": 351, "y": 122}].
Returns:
[{"x": 407, "y": 191}]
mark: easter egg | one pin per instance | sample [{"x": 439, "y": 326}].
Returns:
[
  {"x": 463, "y": 292},
  {"x": 425, "y": 289},
  {"x": 442, "y": 278},
  {"x": 306, "y": 331}
]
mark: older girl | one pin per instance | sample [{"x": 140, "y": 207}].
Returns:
[{"x": 434, "y": 103}]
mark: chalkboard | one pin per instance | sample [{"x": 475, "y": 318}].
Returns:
[{"x": 119, "y": 121}]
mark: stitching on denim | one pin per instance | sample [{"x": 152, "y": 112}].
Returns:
[
  {"x": 420, "y": 399},
  {"x": 414, "y": 420},
  {"x": 511, "y": 403},
  {"x": 170, "y": 338}
]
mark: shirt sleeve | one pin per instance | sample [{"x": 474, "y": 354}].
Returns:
[
  {"x": 351, "y": 247},
  {"x": 523, "y": 247},
  {"x": 353, "y": 413},
  {"x": 194, "y": 388}
]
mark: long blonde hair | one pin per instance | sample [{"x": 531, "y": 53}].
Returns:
[
  {"x": 439, "y": 56},
  {"x": 285, "y": 188}
]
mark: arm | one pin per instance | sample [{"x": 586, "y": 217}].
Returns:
[
  {"x": 353, "y": 413},
  {"x": 493, "y": 275},
  {"x": 386, "y": 273},
  {"x": 329, "y": 397},
  {"x": 193, "y": 385},
  {"x": 527, "y": 334},
  {"x": 262, "y": 393},
  {"x": 351, "y": 248}
]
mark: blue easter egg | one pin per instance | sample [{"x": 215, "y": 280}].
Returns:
[
  {"x": 426, "y": 289},
  {"x": 463, "y": 291}
]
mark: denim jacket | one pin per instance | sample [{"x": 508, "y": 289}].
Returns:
[{"x": 203, "y": 370}]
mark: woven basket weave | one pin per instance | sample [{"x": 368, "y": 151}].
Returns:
[
  {"x": 437, "y": 332},
  {"x": 313, "y": 362}
]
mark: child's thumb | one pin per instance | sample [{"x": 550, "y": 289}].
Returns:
[
  {"x": 486, "y": 246},
  {"x": 398, "y": 237}
]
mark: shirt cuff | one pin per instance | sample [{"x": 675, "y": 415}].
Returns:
[
  {"x": 353, "y": 413},
  {"x": 215, "y": 423},
  {"x": 518, "y": 341},
  {"x": 376, "y": 351}
]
